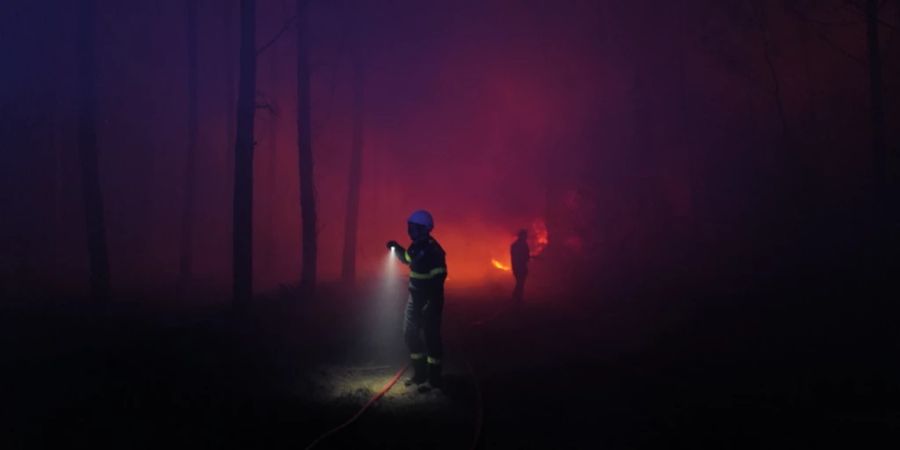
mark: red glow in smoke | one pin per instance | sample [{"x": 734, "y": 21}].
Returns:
[{"x": 539, "y": 237}]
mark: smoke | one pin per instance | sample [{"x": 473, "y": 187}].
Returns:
[{"x": 613, "y": 123}]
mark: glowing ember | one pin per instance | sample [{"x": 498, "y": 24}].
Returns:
[{"x": 500, "y": 265}]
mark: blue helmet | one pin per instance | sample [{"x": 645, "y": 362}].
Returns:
[{"x": 422, "y": 217}]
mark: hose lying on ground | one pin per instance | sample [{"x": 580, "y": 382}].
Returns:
[
  {"x": 387, "y": 386},
  {"x": 479, "y": 407}
]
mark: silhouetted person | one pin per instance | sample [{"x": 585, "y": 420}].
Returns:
[{"x": 520, "y": 254}]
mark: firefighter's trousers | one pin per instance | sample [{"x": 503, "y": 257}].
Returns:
[{"x": 423, "y": 316}]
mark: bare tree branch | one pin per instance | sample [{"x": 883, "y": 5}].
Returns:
[
  {"x": 822, "y": 35},
  {"x": 267, "y": 107},
  {"x": 861, "y": 11},
  {"x": 840, "y": 49},
  {"x": 863, "y": 63},
  {"x": 264, "y": 102},
  {"x": 773, "y": 72},
  {"x": 287, "y": 25}
]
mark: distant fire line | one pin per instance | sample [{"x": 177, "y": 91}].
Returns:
[{"x": 500, "y": 265}]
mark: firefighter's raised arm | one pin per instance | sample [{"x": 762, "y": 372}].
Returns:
[{"x": 398, "y": 251}]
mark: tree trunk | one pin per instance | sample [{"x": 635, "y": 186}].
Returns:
[
  {"x": 87, "y": 154},
  {"x": 229, "y": 87},
  {"x": 875, "y": 93},
  {"x": 59, "y": 187},
  {"x": 351, "y": 222},
  {"x": 185, "y": 271},
  {"x": 271, "y": 169},
  {"x": 307, "y": 185},
  {"x": 243, "y": 159}
]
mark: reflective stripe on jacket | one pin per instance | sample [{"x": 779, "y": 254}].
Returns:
[{"x": 427, "y": 264}]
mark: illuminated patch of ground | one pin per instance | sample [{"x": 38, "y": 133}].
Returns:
[
  {"x": 355, "y": 385},
  {"x": 403, "y": 418}
]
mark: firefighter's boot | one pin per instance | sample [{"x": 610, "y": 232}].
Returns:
[
  {"x": 435, "y": 380},
  {"x": 420, "y": 372}
]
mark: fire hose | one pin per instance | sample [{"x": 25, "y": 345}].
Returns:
[
  {"x": 479, "y": 410},
  {"x": 387, "y": 386},
  {"x": 479, "y": 413}
]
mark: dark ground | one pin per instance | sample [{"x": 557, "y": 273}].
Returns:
[{"x": 779, "y": 366}]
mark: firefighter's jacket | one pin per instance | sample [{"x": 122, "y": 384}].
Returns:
[{"x": 427, "y": 266}]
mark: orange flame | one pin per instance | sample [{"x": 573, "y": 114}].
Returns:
[{"x": 500, "y": 265}]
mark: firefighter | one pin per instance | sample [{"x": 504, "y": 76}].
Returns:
[
  {"x": 427, "y": 272},
  {"x": 519, "y": 255}
]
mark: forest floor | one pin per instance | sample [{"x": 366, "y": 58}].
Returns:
[{"x": 638, "y": 370}]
